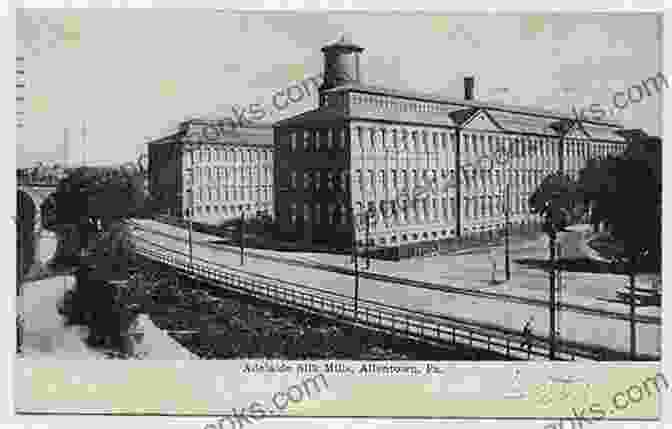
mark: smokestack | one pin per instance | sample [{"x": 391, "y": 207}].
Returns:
[{"x": 469, "y": 88}]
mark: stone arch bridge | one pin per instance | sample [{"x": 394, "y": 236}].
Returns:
[{"x": 29, "y": 224}]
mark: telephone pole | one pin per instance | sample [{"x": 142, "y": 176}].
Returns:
[
  {"x": 242, "y": 238},
  {"x": 507, "y": 222},
  {"x": 84, "y": 136}
]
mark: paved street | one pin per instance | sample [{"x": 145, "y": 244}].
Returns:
[{"x": 466, "y": 271}]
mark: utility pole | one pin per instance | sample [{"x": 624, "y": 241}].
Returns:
[
  {"x": 19, "y": 286},
  {"x": 190, "y": 193},
  {"x": 507, "y": 256},
  {"x": 633, "y": 326},
  {"x": 66, "y": 146},
  {"x": 84, "y": 142},
  {"x": 552, "y": 304},
  {"x": 242, "y": 238},
  {"x": 355, "y": 257},
  {"x": 366, "y": 245},
  {"x": 191, "y": 227}
]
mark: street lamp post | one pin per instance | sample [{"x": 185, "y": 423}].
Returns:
[
  {"x": 370, "y": 216},
  {"x": 507, "y": 222},
  {"x": 190, "y": 193},
  {"x": 355, "y": 258},
  {"x": 242, "y": 238}
]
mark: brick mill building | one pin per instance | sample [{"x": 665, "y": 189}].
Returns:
[
  {"x": 228, "y": 172},
  {"x": 407, "y": 171}
]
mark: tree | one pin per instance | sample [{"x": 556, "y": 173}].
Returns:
[
  {"x": 555, "y": 199},
  {"x": 92, "y": 199},
  {"x": 627, "y": 191}
]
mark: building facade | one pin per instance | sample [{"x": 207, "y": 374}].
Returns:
[
  {"x": 212, "y": 174},
  {"x": 404, "y": 171}
]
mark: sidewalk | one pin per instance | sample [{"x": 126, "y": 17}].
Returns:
[{"x": 462, "y": 271}]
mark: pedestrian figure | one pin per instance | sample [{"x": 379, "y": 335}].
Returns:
[
  {"x": 492, "y": 256},
  {"x": 527, "y": 333}
]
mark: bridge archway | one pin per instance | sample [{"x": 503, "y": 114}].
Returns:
[
  {"x": 26, "y": 243},
  {"x": 29, "y": 225}
]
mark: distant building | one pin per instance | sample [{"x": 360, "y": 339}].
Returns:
[
  {"x": 212, "y": 174},
  {"x": 406, "y": 171}
]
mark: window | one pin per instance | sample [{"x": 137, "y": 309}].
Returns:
[
  {"x": 306, "y": 141},
  {"x": 306, "y": 180},
  {"x": 330, "y": 213},
  {"x": 292, "y": 213},
  {"x": 306, "y": 213},
  {"x": 330, "y": 180},
  {"x": 317, "y": 215},
  {"x": 317, "y": 180},
  {"x": 292, "y": 142},
  {"x": 292, "y": 180}
]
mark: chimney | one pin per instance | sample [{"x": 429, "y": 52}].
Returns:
[{"x": 469, "y": 88}]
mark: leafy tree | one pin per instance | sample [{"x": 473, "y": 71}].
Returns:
[
  {"x": 625, "y": 193},
  {"x": 92, "y": 199},
  {"x": 556, "y": 199}
]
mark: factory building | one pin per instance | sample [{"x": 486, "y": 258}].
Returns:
[
  {"x": 211, "y": 172},
  {"x": 401, "y": 172}
]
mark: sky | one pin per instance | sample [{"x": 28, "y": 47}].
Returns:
[{"x": 131, "y": 75}]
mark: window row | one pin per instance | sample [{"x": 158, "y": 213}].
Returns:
[
  {"x": 333, "y": 180},
  {"x": 401, "y": 178},
  {"x": 231, "y": 193},
  {"x": 478, "y": 179},
  {"x": 230, "y": 210},
  {"x": 391, "y": 103},
  {"x": 493, "y": 206},
  {"x": 212, "y": 154},
  {"x": 329, "y": 214},
  {"x": 372, "y": 139},
  {"x": 402, "y": 212},
  {"x": 233, "y": 175},
  {"x": 475, "y": 144},
  {"x": 317, "y": 140}
]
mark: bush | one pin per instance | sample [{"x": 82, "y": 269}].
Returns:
[{"x": 93, "y": 303}]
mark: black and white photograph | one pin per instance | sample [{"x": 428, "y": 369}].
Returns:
[{"x": 204, "y": 184}]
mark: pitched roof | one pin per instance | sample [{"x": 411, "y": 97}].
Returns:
[{"x": 438, "y": 98}]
